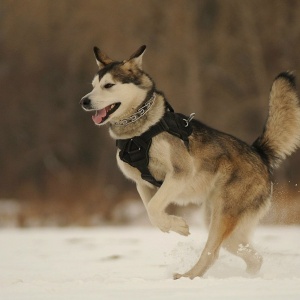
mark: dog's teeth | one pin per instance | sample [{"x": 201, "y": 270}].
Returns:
[{"x": 111, "y": 107}]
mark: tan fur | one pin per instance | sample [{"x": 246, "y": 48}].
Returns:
[
  {"x": 230, "y": 178},
  {"x": 282, "y": 128}
]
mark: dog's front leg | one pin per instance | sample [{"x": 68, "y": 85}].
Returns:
[
  {"x": 157, "y": 206},
  {"x": 146, "y": 193}
]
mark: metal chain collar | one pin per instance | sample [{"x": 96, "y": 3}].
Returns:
[{"x": 143, "y": 110}]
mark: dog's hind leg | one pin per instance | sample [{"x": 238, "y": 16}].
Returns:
[
  {"x": 238, "y": 244},
  {"x": 221, "y": 226}
]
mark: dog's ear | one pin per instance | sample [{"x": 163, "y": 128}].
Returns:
[
  {"x": 137, "y": 56},
  {"x": 101, "y": 58}
]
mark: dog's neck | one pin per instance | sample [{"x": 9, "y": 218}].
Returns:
[
  {"x": 147, "y": 115},
  {"x": 139, "y": 114}
]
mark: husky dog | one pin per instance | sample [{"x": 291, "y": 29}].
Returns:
[{"x": 184, "y": 161}]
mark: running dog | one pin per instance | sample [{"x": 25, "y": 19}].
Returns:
[{"x": 177, "y": 159}]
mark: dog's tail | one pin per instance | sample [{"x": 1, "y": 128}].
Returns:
[{"x": 281, "y": 134}]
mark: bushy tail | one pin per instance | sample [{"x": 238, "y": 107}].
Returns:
[{"x": 281, "y": 134}]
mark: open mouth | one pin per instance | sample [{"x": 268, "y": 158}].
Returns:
[{"x": 102, "y": 114}]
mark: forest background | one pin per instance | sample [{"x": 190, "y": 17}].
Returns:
[{"x": 216, "y": 58}]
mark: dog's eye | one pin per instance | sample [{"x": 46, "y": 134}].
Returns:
[{"x": 108, "y": 85}]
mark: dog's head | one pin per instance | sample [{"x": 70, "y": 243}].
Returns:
[{"x": 118, "y": 87}]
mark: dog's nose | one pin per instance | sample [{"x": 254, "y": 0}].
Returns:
[{"x": 85, "y": 102}]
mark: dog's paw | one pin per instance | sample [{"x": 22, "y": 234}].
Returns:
[
  {"x": 254, "y": 264},
  {"x": 161, "y": 221},
  {"x": 186, "y": 275},
  {"x": 177, "y": 276},
  {"x": 166, "y": 223},
  {"x": 179, "y": 225}
]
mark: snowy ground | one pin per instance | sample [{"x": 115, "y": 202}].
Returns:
[{"x": 138, "y": 263}]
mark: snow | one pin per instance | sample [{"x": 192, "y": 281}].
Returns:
[{"x": 138, "y": 263}]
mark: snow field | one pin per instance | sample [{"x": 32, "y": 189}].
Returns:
[{"x": 138, "y": 263}]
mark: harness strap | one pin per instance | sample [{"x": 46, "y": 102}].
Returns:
[
  {"x": 169, "y": 107},
  {"x": 135, "y": 151}
]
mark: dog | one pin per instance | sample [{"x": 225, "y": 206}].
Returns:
[{"x": 177, "y": 159}]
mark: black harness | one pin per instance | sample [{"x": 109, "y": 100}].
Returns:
[{"x": 135, "y": 151}]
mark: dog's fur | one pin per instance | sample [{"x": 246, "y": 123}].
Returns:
[{"x": 231, "y": 179}]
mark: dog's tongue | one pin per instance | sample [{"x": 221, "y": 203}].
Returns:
[{"x": 99, "y": 115}]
